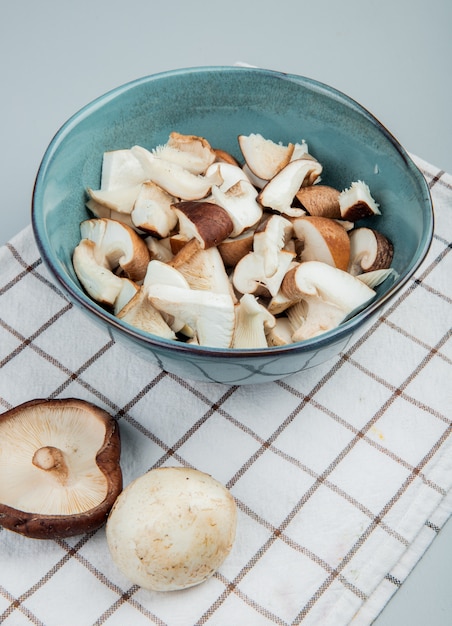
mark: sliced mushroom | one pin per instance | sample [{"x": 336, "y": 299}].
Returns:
[
  {"x": 269, "y": 239},
  {"x": 264, "y": 157},
  {"x": 210, "y": 315},
  {"x": 258, "y": 183},
  {"x": 280, "y": 302},
  {"x": 279, "y": 192},
  {"x": 152, "y": 210},
  {"x": 230, "y": 174},
  {"x": 183, "y": 250},
  {"x": 159, "y": 249},
  {"x": 59, "y": 468},
  {"x": 252, "y": 324},
  {"x": 100, "y": 210},
  {"x": 232, "y": 249},
  {"x": 174, "y": 178},
  {"x": 369, "y": 250},
  {"x": 327, "y": 294},
  {"x": 320, "y": 200},
  {"x": 207, "y": 222},
  {"x": 322, "y": 239},
  {"x": 300, "y": 150},
  {"x": 240, "y": 201},
  {"x": 128, "y": 291},
  {"x": 281, "y": 333},
  {"x": 120, "y": 169},
  {"x": 250, "y": 277},
  {"x": 356, "y": 202},
  {"x": 120, "y": 200},
  {"x": 119, "y": 245},
  {"x": 99, "y": 282},
  {"x": 377, "y": 277},
  {"x": 204, "y": 270},
  {"x": 191, "y": 152},
  {"x": 139, "y": 313},
  {"x": 160, "y": 273}
]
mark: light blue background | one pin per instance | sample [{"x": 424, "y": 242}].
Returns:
[{"x": 393, "y": 56}]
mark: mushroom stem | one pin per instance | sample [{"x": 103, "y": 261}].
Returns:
[{"x": 51, "y": 459}]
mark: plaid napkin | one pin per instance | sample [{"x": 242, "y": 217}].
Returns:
[{"x": 342, "y": 474}]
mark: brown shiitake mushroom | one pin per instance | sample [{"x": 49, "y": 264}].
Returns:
[
  {"x": 59, "y": 468},
  {"x": 320, "y": 200},
  {"x": 370, "y": 250},
  {"x": 322, "y": 239},
  {"x": 207, "y": 222}
]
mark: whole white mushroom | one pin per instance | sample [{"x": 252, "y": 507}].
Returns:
[{"x": 171, "y": 528}]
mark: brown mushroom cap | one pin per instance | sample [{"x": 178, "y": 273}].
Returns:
[
  {"x": 209, "y": 223},
  {"x": 322, "y": 239},
  {"x": 59, "y": 468},
  {"x": 320, "y": 200}
]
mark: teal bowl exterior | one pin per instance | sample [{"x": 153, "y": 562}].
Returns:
[{"x": 221, "y": 103}]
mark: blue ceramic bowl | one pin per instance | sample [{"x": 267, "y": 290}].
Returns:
[{"x": 220, "y": 103}]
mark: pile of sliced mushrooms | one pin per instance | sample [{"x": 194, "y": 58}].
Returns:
[{"x": 188, "y": 244}]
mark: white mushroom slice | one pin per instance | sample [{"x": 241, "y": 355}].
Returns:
[
  {"x": 252, "y": 323},
  {"x": 369, "y": 250},
  {"x": 320, "y": 200},
  {"x": 140, "y": 313},
  {"x": 280, "y": 303},
  {"x": 240, "y": 201},
  {"x": 175, "y": 179},
  {"x": 128, "y": 291},
  {"x": 376, "y": 277},
  {"x": 94, "y": 275},
  {"x": 328, "y": 296},
  {"x": 249, "y": 274},
  {"x": 230, "y": 173},
  {"x": 211, "y": 315},
  {"x": 257, "y": 182},
  {"x": 159, "y": 272},
  {"x": 279, "y": 192},
  {"x": 121, "y": 168},
  {"x": 346, "y": 224},
  {"x": 163, "y": 273},
  {"x": 322, "y": 239},
  {"x": 300, "y": 150},
  {"x": 99, "y": 210},
  {"x": 207, "y": 222},
  {"x": 204, "y": 270},
  {"x": 121, "y": 199},
  {"x": 152, "y": 210},
  {"x": 119, "y": 245},
  {"x": 269, "y": 239},
  {"x": 264, "y": 157},
  {"x": 312, "y": 317},
  {"x": 193, "y": 153},
  {"x": 281, "y": 333},
  {"x": 159, "y": 249},
  {"x": 356, "y": 202}
]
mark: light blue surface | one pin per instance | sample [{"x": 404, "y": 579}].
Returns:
[{"x": 393, "y": 57}]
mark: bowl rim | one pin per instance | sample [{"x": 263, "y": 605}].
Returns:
[{"x": 78, "y": 296}]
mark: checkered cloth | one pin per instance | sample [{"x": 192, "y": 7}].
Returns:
[{"x": 342, "y": 474}]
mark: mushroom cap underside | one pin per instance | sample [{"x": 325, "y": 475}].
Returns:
[{"x": 59, "y": 467}]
